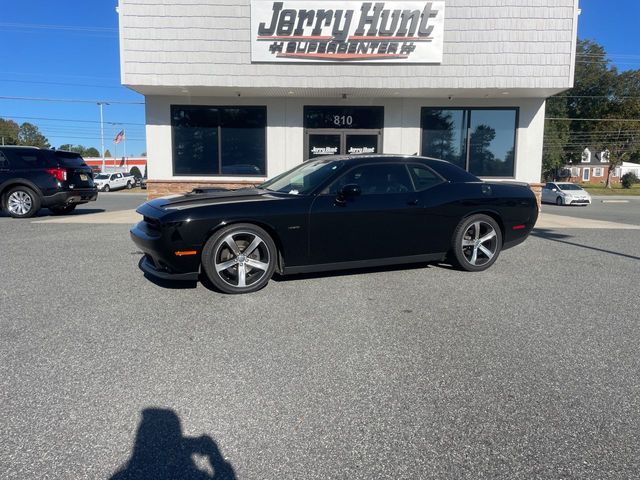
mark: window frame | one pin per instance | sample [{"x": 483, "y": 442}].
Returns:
[
  {"x": 325, "y": 189},
  {"x": 219, "y": 128},
  {"x": 467, "y": 145},
  {"x": 426, "y": 167}
]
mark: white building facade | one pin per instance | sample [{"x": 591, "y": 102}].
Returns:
[{"x": 238, "y": 91}]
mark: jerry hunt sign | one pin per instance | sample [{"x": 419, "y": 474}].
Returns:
[{"x": 347, "y": 32}]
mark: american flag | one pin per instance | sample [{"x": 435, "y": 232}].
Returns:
[{"x": 119, "y": 137}]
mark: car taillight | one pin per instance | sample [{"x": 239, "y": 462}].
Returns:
[{"x": 59, "y": 173}]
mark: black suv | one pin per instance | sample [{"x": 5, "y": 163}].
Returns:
[{"x": 31, "y": 178}]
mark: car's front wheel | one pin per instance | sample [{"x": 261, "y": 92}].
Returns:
[
  {"x": 107, "y": 188},
  {"x": 476, "y": 243},
  {"x": 240, "y": 258},
  {"x": 22, "y": 202},
  {"x": 559, "y": 201}
]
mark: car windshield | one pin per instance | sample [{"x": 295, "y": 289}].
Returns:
[
  {"x": 569, "y": 186},
  {"x": 304, "y": 178},
  {"x": 102, "y": 176}
]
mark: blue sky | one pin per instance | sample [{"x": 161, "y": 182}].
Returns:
[{"x": 42, "y": 59}]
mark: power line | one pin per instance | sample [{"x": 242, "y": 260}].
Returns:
[
  {"x": 70, "y": 100},
  {"x": 58, "y": 27},
  {"x": 68, "y": 120},
  {"x": 591, "y": 119},
  {"x": 61, "y": 84}
]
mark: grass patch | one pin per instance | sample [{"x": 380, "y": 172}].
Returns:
[{"x": 614, "y": 190}]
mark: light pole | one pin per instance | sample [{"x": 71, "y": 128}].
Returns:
[{"x": 100, "y": 104}]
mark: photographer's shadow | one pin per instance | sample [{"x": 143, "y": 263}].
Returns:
[{"x": 162, "y": 453}]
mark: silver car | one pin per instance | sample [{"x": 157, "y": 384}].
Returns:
[{"x": 565, "y": 193}]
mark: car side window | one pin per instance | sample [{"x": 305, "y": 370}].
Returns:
[
  {"x": 4, "y": 163},
  {"x": 383, "y": 178},
  {"x": 423, "y": 177},
  {"x": 113, "y": 177},
  {"x": 26, "y": 158}
]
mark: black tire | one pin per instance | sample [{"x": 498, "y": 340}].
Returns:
[
  {"x": 219, "y": 251},
  {"x": 129, "y": 186},
  {"x": 469, "y": 251},
  {"x": 21, "y": 202},
  {"x": 559, "y": 201},
  {"x": 62, "y": 209},
  {"x": 107, "y": 188}
]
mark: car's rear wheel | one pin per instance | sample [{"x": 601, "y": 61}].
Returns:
[
  {"x": 477, "y": 243},
  {"x": 129, "y": 185},
  {"x": 559, "y": 201},
  {"x": 22, "y": 202},
  {"x": 240, "y": 258},
  {"x": 62, "y": 209}
]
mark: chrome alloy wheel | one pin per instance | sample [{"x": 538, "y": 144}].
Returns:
[
  {"x": 242, "y": 259},
  {"x": 479, "y": 243},
  {"x": 19, "y": 203}
]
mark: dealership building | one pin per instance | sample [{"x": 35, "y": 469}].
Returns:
[{"x": 237, "y": 91}]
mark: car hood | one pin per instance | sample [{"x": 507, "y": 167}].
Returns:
[
  {"x": 575, "y": 193},
  {"x": 207, "y": 197}
]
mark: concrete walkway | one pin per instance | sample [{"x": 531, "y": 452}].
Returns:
[
  {"x": 546, "y": 220},
  {"x": 551, "y": 221},
  {"x": 119, "y": 216}
]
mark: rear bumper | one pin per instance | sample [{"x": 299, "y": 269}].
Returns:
[
  {"x": 159, "y": 260},
  {"x": 68, "y": 197}
]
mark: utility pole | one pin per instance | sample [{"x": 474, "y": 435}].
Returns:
[{"x": 100, "y": 104}]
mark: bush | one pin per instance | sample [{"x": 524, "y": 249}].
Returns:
[
  {"x": 135, "y": 171},
  {"x": 628, "y": 179}
]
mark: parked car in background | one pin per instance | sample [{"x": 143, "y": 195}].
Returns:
[
  {"x": 565, "y": 193},
  {"x": 333, "y": 213},
  {"x": 143, "y": 183},
  {"x": 114, "y": 181},
  {"x": 31, "y": 178}
]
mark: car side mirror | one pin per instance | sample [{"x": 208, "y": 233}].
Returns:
[
  {"x": 554, "y": 189},
  {"x": 351, "y": 190}
]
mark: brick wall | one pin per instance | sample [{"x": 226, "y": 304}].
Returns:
[{"x": 160, "y": 188}]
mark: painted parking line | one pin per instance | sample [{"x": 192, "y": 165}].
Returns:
[
  {"x": 615, "y": 201},
  {"x": 549, "y": 220}
]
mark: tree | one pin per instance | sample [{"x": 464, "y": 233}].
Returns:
[
  {"x": 107, "y": 153},
  {"x": 91, "y": 152},
  {"x": 143, "y": 154},
  {"x": 8, "y": 132},
  {"x": 135, "y": 171},
  {"x": 29, "y": 134}
]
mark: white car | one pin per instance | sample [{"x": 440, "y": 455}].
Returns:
[
  {"x": 565, "y": 193},
  {"x": 113, "y": 181}
]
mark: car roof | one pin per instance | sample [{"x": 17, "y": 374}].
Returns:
[{"x": 444, "y": 168}]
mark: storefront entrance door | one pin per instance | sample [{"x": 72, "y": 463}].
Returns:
[{"x": 339, "y": 142}]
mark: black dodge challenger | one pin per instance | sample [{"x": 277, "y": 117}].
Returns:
[{"x": 333, "y": 213}]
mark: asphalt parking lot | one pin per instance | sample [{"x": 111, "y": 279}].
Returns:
[{"x": 528, "y": 370}]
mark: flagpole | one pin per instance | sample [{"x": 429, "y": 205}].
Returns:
[{"x": 124, "y": 138}]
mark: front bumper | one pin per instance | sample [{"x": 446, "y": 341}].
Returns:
[
  {"x": 68, "y": 197},
  {"x": 577, "y": 201},
  {"x": 159, "y": 260}
]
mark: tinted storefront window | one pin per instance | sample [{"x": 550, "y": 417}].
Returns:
[
  {"x": 219, "y": 140},
  {"x": 480, "y": 140}
]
